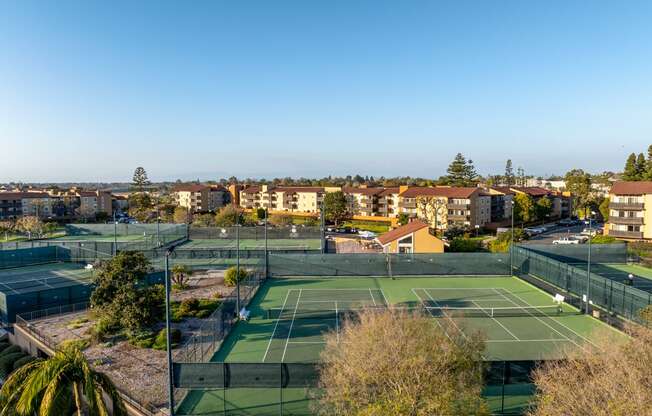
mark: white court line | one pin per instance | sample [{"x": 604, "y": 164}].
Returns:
[
  {"x": 372, "y": 297},
  {"x": 453, "y": 321},
  {"x": 382, "y": 292},
  {"x": 436, "y": 320},
  {"x": 337, "y": 323},
  {"x": 562, "y": 324},
  {"x": 285, "y": 350},
  {"x": 534, "y": 316},
  {"x": 275, "y": 326},
  {"x": 498, "y": 322},
  {"x": 323, "y": 290},
  {"x": 307, "y": 342},
  {"x": 455, "y": 288}
]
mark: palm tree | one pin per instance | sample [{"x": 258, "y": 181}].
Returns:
[{"x": 61, "y": 385}]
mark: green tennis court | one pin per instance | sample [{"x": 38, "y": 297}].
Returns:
[
  {"x": 621, "y": 271},
  {"x": 290, "y": 316},
  {"x": 255, "y": 244},
  {"x": 43, "y": 277},
  {"x": 104, "y": 238}
]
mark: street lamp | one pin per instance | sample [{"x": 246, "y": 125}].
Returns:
[
  {"x": 477, "y": 230},
  {"x": 588, "y": 265},
  {"x": 168, "y": 338},
  {"x": 511, "y": 245}
]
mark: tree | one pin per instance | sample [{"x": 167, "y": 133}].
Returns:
[
  {"x": 604, "y": 209},
  {"x": 641, "y": 167},
  {"x": 612, "y": 378},
  {"x": 140, "y": 206},
  {"x": 180, "y": 275},
  {"x": 140, "y": 180},
  {"x": 6, "y": 227},
  {"x": 461, "y": 172},
  {"x": 403, "y": 218},
  {"x": 121, "y": 296},
  {"x": 578, "y": 183},
  {"x": 543, "y": 208},
  {"x": 180, "y": 215},
  {"x": 523, "y": 208},
  {"x": 630, "y": 172},
  {"x": 335, "y": 207},
  {"x": 509, "y": 173},
  {"x": 437, "y": 373},
  {"x": 228, "y": 216},
  {"x": 30, "y": 225},
  {"x": 280, "y": 219},
  {"x": 61, "y": 385},
  {"x": 520, "y": 180},
  {"x": 203, "y": 220},
  {"x": 231, "y": 276}
]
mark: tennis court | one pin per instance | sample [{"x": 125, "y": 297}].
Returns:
[
  {"x": 620, "y": 272},
  {"x": 290, "y": 316},
  {"x": 255, "y": 244},
  {"x": 103, "y": 238},
  {"x": 43, "y": 277}
]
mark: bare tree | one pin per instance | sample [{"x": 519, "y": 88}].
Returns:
[
  {"x": 400, "y": 363},
  {"x": 611, "y": 379},
  {"x": 434, "y": 210}
]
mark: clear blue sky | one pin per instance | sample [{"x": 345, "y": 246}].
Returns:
[{"x": 90, "y": 90}]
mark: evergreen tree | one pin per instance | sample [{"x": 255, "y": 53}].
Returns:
[
  {"x": 140, "y": 180},
  {"x": 509, "y": 173},
  {"x": 630, "y": 173},
  {"x": 641, "y": 167},
  {"x": 461, "y": 172},
  {"x": 648, "y": 169}
]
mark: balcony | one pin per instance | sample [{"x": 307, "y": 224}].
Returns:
[
  {"x": 627, "y": 205},
  {"x": 459, "y": 206},
  {"x": 626, "y": 220},
  {"x": 408, "y": 204},
  {"x": 459, "y": 217},
  {"x": 638, "y": 235}
]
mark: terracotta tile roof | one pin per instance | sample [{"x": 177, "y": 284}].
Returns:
[
  {"x": 23, "y": 195},
  {"x": 252, "y": 190},
  {"x": 298, "y": 189},
  {"x": 362, "y": 191},
  {"x": 531, "y": 190},
  {"x": 390, "y": 191},
  {"x": 504, "y": 189},
  {"x": 449, "y": 192},
  {"x": 629, "y": 188},
  {"x": 401, "y": 231},
  {"x": 190, "y": 188}
]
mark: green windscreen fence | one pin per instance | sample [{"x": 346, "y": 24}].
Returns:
[
  {"x": 379, "y": 264},
  {"x": 125, "y": 229},
  {"x": 219, "y": 388},
  {"x": 610, "y": 295},
  {"x": 578, "y": 253},
  {"x": 256, "y": 233},
  {"x": 31, "y": 256}
]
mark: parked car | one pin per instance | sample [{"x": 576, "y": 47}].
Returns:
[
  {"x": 566, "y": 240},
  {"x": 566, "y": 222},
  {"x": 580, "y": 237},
  {"x": 589, "y": 232}
]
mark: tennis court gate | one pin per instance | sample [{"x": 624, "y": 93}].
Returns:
[{"x": 288, "y": 383}]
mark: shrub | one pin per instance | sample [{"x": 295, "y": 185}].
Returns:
[
  {"x": 603, "y": 239},
  {"x": 280, "y": 219},
  {"x": 141, "y": 338},
  {"x": 160, "y": 341},
  {"x": 231, "y": 276},
  {"x": 193, "y": 308},
  {"x": 464, "y": 245},
  {"x": 7, "y": 363},
  {"x": 80, "y": 344},
  {"x": 3, "y": 346}
]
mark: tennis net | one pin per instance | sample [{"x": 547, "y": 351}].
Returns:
[{"x": 488, "y": 312}]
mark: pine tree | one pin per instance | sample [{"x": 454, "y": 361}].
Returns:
[
  {"x": 140, "y": 180},
  {"x": 641, "y": 167},
  {"x": 470, "y": 175},
  {"x": 648, "y": 168},
  {"x": 629, "y": 174},
  {"x": 457, "y": 171},
  {"x": 509, "y": 173}
]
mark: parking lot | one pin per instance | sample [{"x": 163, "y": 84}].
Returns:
[{"x": 556, "y": 232}]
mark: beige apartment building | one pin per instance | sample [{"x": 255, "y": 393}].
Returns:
[
  {"x": 443, "y": 207},
  {"x": 299, "y": 199},
  {"x": 363, "y": 201},
  {"x": 200, "y": 198},
  {"x": 630, "y": 210},
  {"x": 92, "y": 203}
]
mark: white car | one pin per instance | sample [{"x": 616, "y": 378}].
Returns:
[
  {"x": 566, "y": 240},
  {"x": 582, "y": 238},
  {"x": 589, "y": 232}
]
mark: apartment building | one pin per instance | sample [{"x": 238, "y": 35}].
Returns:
[
  {"x": 630, "y": 210},
  {"x": 561, "y": 201},
  {"x": 388, "y": 200},
  {"x": 444, "y": 207},
  {"x": 11, "y": 205},
  {"x": 201, "y": 198},
  {"x": 501, "y": 203},
  {"x": 363, "y": 201},
  {"x": 92, "y": 203},
  {"x": 36, "y": 203},
  {"x": 301, "y": 199}
]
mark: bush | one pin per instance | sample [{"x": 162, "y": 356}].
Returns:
[
  {"x": 141, "y": 338},
  {"x": 280, "y": 219},
  {"x": 193, "y": 308},
  {"x": 231, "y": 276},
  {"x": 80, "y": 344},
  {"x": 603, "y": 239},
  {"x": 23, "y": 361},
  {"x": 161, "y": 341},
  {"x": 7, "y": 363},
  {"x": 3, "y": 346},
  {"x": 464, "y": 245}
]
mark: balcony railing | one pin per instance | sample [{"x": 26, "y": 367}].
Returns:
[
  {"x": 405, "y": 204},
  {"x": 627, "y": 220},
  {"x": 626, "y": 234},
  {"x": 627, "y": 205},
  {"x": 459, "y": 217},
  {"x": 459, "y": 206}
]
